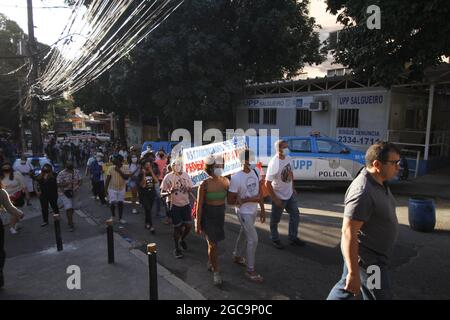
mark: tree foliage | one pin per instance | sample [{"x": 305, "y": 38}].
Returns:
[
  {"x": 414, "y": 35},
  {"x": 196, "y": 64}
]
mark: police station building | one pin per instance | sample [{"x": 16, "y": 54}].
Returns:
[{"x": 415, "y": 116}]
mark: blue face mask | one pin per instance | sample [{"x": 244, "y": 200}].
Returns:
[{"x": 286, "y": 152}]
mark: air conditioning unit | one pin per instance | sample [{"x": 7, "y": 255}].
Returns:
[{"x": 318, "y": 106}]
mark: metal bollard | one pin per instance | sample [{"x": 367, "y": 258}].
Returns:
[
  {"x": 110, "y": 240},
  {"x": 59, "y": 244},
  {"x": 153, "y": 275}
]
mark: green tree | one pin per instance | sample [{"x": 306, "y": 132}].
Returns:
[
  {"x": 414, "y": 35},
  {"x": 197, "y": 63}
]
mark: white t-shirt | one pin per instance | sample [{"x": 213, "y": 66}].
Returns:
[
  {"x": 182, "y": 184},
  {"x": 246, "y": 185},
  {"x": 279, "y": 172}
]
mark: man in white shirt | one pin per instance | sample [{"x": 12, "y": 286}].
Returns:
[
  {"x": 246, "y": 193},
  {"x": 280, "y": 184}
]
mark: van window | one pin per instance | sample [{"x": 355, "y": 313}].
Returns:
[
  {"x": 300, "y": 145},
  {"x": 327, "y": 146}
]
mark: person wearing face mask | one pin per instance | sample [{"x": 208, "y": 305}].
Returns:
[
  {"x": 25, "y": 168},
  {"x": 161, "y": 162},
  {"x": 134, "y": 168},
  {"x": 178, "y": 185},
  {"x": 210, "y": 218},
  {"x": 116, "y": 179},
  {"x": 97, "y": 178},
  {"x": 280, "y": 184},
  {"x": 147, "y": 184},
  {"x": 69, "y": 182},
  {"x": 47, "y": 191},
  {"x": 245, "y": 192}
]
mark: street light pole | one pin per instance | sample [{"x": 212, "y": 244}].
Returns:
[{"x": 36, "y": 136}]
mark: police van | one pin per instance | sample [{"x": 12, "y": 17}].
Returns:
[{"x": 315, "y": 158}]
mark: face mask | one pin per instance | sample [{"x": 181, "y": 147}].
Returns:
[
  {"x": 134, "y": 160},
  {"x": 177, "y": 167},
  {"x": 218, "y": 172},
  {"x": 286, "y": 152}
]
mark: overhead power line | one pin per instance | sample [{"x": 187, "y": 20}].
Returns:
[{"x": 97, "y": 37}]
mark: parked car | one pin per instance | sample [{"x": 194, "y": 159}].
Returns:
[
  {"x": 315, "y": 158},
  {"x": 63, "y": 136},
  {"x": 37, "y": 163},
  {"x": 104, "y": 137}
]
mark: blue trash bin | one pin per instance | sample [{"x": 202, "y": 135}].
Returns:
[{"x": 421, "y": 214}]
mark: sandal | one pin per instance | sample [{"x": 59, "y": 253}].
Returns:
[
  {"x": 254, "y": 277},
  {"x": 239, "y": 260}
]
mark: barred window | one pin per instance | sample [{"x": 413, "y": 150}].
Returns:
[
  {"x": 303, "y": 118},
  {"x": 270, "y": 116},
  {"x": 348, "y": 118},
  {"x": 253, "y": 116}
]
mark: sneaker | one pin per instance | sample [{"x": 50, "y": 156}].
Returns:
[
  {"x": 183, "y": 244},
  {"x": 18, "y": 226},
  {"x": 277, "y": 244},
  {"x": 122, "y": 221},
  {"x": 152, "y": 230},
  {"x": 134, "y": 211},
  {"x": 177, "y": 253},
  {"x": 44, "y": 224},
  {"x": 217, "y": 278},
  {"x": 13, "y": 230},
  {"x": 297, "y": 242}
]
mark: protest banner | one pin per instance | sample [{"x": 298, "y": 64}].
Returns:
[{"x": 229, "y": 150}]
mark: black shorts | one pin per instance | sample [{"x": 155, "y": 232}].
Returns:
[{"x": 181, "y": 215}]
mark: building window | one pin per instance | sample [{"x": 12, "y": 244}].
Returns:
[
  {"x": 303, "y": 118},
  {"x": 253, "y": 116},
  {"x": 270, "y": 116},
  {"x": 348, "y": 118}
]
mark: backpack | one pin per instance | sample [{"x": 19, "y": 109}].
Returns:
[{"x": 96, "y": 171}]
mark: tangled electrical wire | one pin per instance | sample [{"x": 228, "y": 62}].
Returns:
[{"x": 96, "y": 37}]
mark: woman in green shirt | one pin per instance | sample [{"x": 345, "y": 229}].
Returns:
[{"x": 211, "y": 211}]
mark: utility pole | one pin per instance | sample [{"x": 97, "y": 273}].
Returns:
[{"x": 36, "y": 136}]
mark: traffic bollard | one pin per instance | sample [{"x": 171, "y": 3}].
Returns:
[
  {"x": 153, "y": 275},
  {"x": 59, "y": 244},
  {"x": 110, "y": 239}
]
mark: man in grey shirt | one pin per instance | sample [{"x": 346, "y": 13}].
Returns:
[{"x": 369, "y": 228}]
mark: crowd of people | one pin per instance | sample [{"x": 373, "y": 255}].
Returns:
[{"x": 154, "y": 179}]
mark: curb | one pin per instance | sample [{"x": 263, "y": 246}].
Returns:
[{"x": 189, "y": 291}]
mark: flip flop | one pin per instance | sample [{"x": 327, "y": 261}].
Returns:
[{"x": 254, "y": 277}]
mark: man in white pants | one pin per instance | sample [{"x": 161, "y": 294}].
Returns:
[{"x": 245, "y": 192}]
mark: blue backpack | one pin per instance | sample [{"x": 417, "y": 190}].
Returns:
[{"x": 96, "y": 171}]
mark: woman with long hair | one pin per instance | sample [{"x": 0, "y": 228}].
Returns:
[
  {"x": 47, "y": 191},
  {"x": 211, "y": 211}
]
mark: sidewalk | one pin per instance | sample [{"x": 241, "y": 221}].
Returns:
[
  {"x": 36, "y": 270},
  {"x": 434, "y": 185}
]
